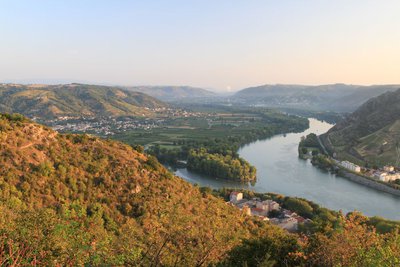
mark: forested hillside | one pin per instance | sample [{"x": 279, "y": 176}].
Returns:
[
  {"x": 76, "y": 199},
  {"x": 68, "y": 200},
  {"x": 49, "y": 101}
]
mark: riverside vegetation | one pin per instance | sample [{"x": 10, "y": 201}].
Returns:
[{"x": 68, "y": 200}]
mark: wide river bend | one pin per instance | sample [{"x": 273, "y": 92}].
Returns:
[{"x": 280, "y": 170}]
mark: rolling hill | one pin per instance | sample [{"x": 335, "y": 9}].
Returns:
[
  {"x": 173, "y": 93},
  {"x": 371, "y": 133},
  {"x": 49, "y": 101},
  {"x": 332, "y": 97},
  {"x": 81, "y": 199}
]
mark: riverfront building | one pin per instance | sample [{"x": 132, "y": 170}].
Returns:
[
  {"x": 350, "y": 166},
  {"x": 235, "y": 197}
]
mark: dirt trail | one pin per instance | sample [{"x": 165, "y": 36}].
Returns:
[{"x": 26, "y": 146}]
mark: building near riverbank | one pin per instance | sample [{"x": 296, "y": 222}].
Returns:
[
  {"x": 350, "y": 166},
  {"x": 387, "y": 176},
  {"x": 268, "y": 205},
  {"x": 235, "y": 197},
  {"x": 285, "y": 219},
  {"x": 388, "y": 168}
]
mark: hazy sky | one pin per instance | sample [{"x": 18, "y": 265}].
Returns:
[{"x": 218, "y": 44}]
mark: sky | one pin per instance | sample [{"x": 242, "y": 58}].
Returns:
[{"x": 223, "y": 45}]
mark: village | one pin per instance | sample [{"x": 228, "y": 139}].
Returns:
[
  {"x": 386, "y": 174},
  {"x": 111, "y": 125},
  {"x": 311, "y": 146},
  {"x": 103, "y": 126},
  {"x": 268, "y": 210}
]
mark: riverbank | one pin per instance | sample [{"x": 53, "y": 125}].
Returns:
[
  {"x": 280, "y": 170},
  {"x": 327, "y": 164},
  {"x": 322, "y": 159},
  {"x": 368, "y": 182}
]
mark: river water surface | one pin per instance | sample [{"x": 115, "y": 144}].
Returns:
[{"x": 280, "y": 170}]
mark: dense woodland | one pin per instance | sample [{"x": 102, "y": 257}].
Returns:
[
  {"x": 68, "y": 200},
  {"x": 220, "y": 165}
]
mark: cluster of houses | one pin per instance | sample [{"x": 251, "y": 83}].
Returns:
[
  {"x": 387, "y": 174},
  {"x": 103, "y": 125},
  {"x": 267, "y": 210}
]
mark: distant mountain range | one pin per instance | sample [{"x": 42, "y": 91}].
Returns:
[
  {"x": 333, "y": 97},
  {"x": 75, "y": 99},
  {"x": 173, "y": 93},
  {"x": 371, "y": 133},
  {"x": 48, "y": 101}
]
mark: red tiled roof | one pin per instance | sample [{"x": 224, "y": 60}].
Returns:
[
  {"x": 257, "y": 209},
  {"x": 300, "y": 219}
]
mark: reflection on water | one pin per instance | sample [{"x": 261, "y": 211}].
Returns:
[{"x": 279, "y": 170}]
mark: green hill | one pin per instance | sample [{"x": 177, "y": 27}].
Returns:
[
  {"x": 49, "y": 101},
  {"x": 370, "y": 134},
  {"x": 80, "y": 199}
]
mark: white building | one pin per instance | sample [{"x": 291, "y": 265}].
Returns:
[
  {"x": 380, "y": 175},
  {"x": 259, "y": 212},
  {"x": 387, "y": 177},
  {"x": 235, "y": 197},
  {"x": 267, "y": 205},
  {"x": 350, "y": 166},
  {"x": 388, "y": 168},
  {"x": 264, "y": 205},
  {"x": 287, "y": 223},
  {"x": 274, "y": 206}
]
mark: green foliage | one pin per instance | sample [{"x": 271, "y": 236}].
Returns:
[
  {"x": 301, "y": 207},
  {"x": 273, "y": 249},
  {"x": 311, "y": 140},
  {"x": 383, "y": 225},
  {"x": 354, "y": 243},
  {"x": 322, "y": 162},
  {"x": 222, "y": 166}
]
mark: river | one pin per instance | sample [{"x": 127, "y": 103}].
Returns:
[{"x": 280, "y": 170}]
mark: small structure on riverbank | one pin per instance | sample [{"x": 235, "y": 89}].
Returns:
[
  {"x": 235, "y": 197},
  {"x": 350, "y": 166},
  {"x": 387, "y": 176}
]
